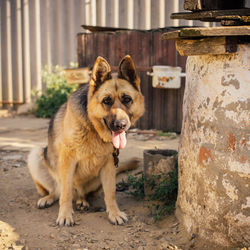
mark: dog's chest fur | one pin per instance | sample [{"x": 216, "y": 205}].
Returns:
[{"x": 91, "y": 154}]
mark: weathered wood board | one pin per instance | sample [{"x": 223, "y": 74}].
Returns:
[
  {"x": 208, "y": 31},
  {"x": 198, "y": 5},
  {"x": 213, "y": 15},
  {"x": 206, "y": 46},
  {"x": 77, "y": 75}
]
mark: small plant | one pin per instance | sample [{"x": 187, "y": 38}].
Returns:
[
  {"x": 164, "y": 192},
  {"x": 164, "y": 195},
  {"x": 136, "y": 184},
  {"x": 56, "y": 93}
]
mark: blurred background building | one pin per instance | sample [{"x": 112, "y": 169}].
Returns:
[{"x": 34, "y": 33}]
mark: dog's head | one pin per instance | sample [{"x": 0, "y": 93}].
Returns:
[{"x": 114, "y": 104}]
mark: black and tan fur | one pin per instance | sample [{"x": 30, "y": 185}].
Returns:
[{"x": 78, "y": 157}]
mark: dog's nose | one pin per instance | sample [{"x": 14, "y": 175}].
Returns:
[{"x": 120, "y": 124}]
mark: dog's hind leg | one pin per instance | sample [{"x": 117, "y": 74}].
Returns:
[
  {"x": 80, "y": 198},
  {"x": 83, "y": 191},
  {"x": 44, "y": 182}
]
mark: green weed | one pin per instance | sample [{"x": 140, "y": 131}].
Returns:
[
  {"x": 56, "y": 93},
  {"x": 136, "y": 186},
  {"x": 164, "y": 189},
  {"x": 164, "y": 195}
]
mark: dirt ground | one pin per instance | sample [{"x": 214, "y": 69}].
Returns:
[{"x": 23, "y": 226}]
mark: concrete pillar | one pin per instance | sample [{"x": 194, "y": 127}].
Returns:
[{"x": 214, "y": 154}]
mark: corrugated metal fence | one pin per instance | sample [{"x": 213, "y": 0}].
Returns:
[{"x": 34, "y": 33}]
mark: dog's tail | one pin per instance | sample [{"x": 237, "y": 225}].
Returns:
[
  {"x": 35, "y": 157},
  {"x": 35, "y": 164},
  {"x": 130, "y": 165}
]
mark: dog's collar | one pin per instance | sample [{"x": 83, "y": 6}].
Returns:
[{"x": 115, "y": 150}]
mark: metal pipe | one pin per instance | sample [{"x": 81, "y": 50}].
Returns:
[
  {"x": 93, "y": 12},
  {"x": 130, "y": 14},
  {"x": 116, "y": 13},
  {"x": 147, "y": 9},
  {"x": 26, "y": 45},
  {"x": 161, "y": 13},
  {"x": 9, "y": 52},
  {"x": 19, "y": 54},
  {"x": 1, "y": 91},
  {"x": 103, "y": 12}
]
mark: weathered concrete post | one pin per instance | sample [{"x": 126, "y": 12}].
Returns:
[
  {"x": 214, "y": 170},
  {"x": 214, "y": 153}
]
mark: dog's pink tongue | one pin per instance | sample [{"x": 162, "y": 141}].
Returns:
[{"x": 119, "y": 139}]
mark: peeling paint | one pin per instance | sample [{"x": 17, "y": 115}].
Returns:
[
  {"x": 214, "y": 151},
  {"x": 231, "y": 142},
  {"x": 231, "y": 190},
  {"x": 205, "y": 156},
  {"x": 247, "y": 205},
  {"x": 230, "y": 80},
  {"x": 242, "y": 168}
]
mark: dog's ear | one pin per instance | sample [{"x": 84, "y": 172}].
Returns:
[
  {"x": 101, "y": 72},
  {"x": 127, "y": 71}
]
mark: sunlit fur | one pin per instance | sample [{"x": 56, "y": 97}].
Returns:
[{"x": 78, "y": 158}]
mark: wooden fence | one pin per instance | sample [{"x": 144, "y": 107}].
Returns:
[{"x": 163, "y": 106}]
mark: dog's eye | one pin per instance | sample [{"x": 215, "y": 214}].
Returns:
[
  {"x": 126, "y": 99},
  {"x": 107, "y": 101}
]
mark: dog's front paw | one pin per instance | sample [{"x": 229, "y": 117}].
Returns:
[
  {"x": 117, "y": 218},
  {"x": 65, "y": 218}
]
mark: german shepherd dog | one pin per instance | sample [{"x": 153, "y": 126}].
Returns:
[{"x": 82, "y": 136}]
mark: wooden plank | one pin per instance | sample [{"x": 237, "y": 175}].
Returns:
[
  {"x": 101, "y": 28},
  {"x": 170, "y": 108},
  {"x": 80, "y": 46},
  {"x": 206, "y": 46},
  {"x": 111, "y": 48},
  {"x": 140, "y": 47},
  {"x": 101, "y": 46},
  {"x": 210, "y": 15},
  {"x": 198, "y": 5},
  {"x": 145, "y": 48},
  {"x": 159, "y": 96},
  {"x": 90, "y": 50},
  {"x": 164, "y": 100},
  {"x": 192, "y": 5},
  {"x": 77, "y": 75},
  {"x": 122, "y": 46},
  {"x": 208, "y": 31}
]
